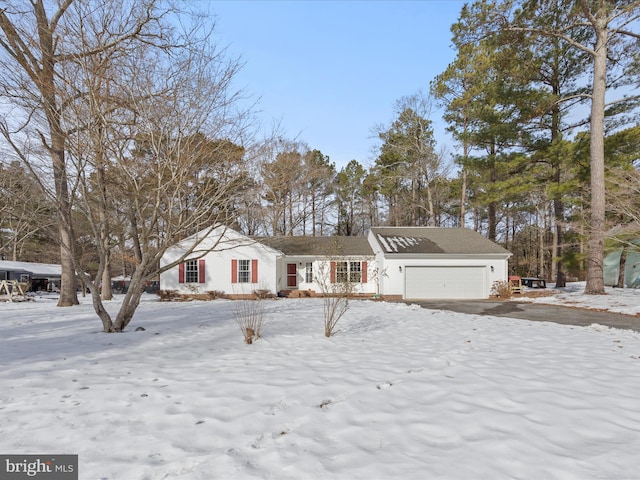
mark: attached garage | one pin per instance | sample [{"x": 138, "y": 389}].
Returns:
[
  {"x": 436, "y": 263},
  {"x": 426, "y": 282}
]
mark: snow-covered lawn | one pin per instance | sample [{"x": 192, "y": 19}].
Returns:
[
  {"x": 617, "y": 300},
  {"x": 400, "y": 393}
]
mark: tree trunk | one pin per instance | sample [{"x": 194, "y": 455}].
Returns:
[
  {"x": 492, "y": 207},
  {"x": 45, "y": 81},
  {"x": 68, "y": 294},
  {"x": 131, "y": 300},
  {"x": 463, "y": 197},
  {"x": 105, "y": 290},
  {"x": 541, "y": 269},
  {"x": 432, "y": 210},
  {"x": 623, "y": 261},
  {"x": 595, "y": 259},
  {"x": 98, "y": 307},
  {"x": 558, "y": 205}
]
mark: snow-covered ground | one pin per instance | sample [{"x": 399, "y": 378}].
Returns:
[
  {"x": 400, "y": 393},
  {"x": 617, "y": 300}
]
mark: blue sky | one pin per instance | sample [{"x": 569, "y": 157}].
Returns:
[{"x": 331, "y": 70}]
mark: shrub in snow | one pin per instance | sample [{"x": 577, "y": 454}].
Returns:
[
  {"x": 501, "y": 289},
  {"x": 249, "y": 315},
  {"x": 336, "y": 290}
]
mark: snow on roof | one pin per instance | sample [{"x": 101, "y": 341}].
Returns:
[
  {"x": 395, "y": 243},
  {"x": 40, "y": 269},
  {"x": 434, "y": 240}
]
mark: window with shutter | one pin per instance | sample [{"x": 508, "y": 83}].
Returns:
[
  {"x": 352, "y": 272},
  {"x": 191, "y": 271},
  {"x": 244, "y": 271}
]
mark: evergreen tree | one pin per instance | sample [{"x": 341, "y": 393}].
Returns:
[
  {"x": 606, "y": 32},
  {"x": 408, "y": 166},
  {"x": 349, "y": 199}
]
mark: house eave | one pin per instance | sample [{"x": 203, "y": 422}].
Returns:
[
  {"x": 448, "y": 256},
  {"x": 325, "y": 257}
]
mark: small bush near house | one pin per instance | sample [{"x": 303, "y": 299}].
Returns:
[
  {"x": 214, "y": 294},
  {"x": 501, "y": 289},
  {"x": 174, "y": 296},
  {"x": 263, "y": 293},
  {"x": 168, "y": 295},
  {"x": 250, "y": 317}
]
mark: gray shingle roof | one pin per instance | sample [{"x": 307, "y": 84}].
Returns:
[
  {"x": 430, "y": 240},
  {"x": 325, "y": 246}
]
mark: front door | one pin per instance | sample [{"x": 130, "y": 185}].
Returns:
[{"x": 292, "y": 275}]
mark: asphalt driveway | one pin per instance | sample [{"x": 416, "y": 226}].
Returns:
[{"x": 537, "y": 312}]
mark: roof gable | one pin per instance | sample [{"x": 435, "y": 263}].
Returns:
[
  {"x": 215, "y": 239},
  {"x": 434, "y": 240}
]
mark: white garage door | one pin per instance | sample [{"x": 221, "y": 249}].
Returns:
[{"x": 445, "y": 282}]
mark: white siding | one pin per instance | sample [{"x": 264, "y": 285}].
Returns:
[
  {"x": 398, "y": 275},
  {"x": 392, "y": 268},
  {"x": 218, "y": 265},
  {"x": 321, "y": 267}
]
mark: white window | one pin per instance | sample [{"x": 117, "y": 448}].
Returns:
[
  {"x": 191, "y": 271},
  {"x": 355, "y": 272},
  {"x": 244, "y": 271},
  {"x": 342, "y": 272},
  {"x": 308, "y": 272},
  {"x": 352, "y": 272}
]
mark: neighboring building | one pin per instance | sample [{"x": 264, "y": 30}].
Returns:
[
  {"x": 393, "y": 262},
  {"x": 41, "y": 276},
  {"x": 631, "y": 267}
]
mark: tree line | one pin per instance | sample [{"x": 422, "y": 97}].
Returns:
[{"x": 125, "y": 134}]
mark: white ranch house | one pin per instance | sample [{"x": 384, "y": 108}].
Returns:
[{"x": 391, "y": 262}]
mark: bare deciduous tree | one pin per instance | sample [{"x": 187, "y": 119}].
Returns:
[
  {"x": 140, "y": 112},
  {"x": 38, "y": 40},
  {"x": 164, "y": 175}
]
